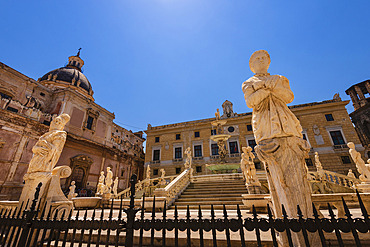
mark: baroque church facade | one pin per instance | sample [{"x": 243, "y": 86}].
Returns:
[{"x": 94, "y": 141}]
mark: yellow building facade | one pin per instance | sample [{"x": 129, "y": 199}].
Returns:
[{"x": 326, "y": 126}]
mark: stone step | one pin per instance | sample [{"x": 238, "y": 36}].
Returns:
[
  {"x": 209, "y": 203},
  {"x": 217, "y": 186},
  {"x": 196, "y": 199},
  {"x": 219, "y": 191},
  {"x": 216, "y": 207},
  {"x": 211, "y": 195}
]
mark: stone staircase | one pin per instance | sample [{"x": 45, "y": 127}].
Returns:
[{"x": 213, "y": 190}]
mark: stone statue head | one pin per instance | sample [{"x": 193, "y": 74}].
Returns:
[
  {"x": 351, "y": 145},
  {"x": 246, "y": 149},
  {"x": 73, "y": 183},
  {"x": 59, "y": 122},
  {"x": 108, "y": 169},
  {"x": 259, "y": 62}
]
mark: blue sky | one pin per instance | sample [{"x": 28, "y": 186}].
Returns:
[{"x": 168, "y": 61}]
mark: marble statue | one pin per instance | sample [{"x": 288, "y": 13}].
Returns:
[
  {"x": 72, "y": 189},
  {"x": 109, "y": 180},
  {"x": 163, "y": 173},
  {"x": 248, "y": 167},
  {"x": 217, "y": 114},
  {"x": 101, "y": 187},
  {"x": 280, "y": 143},
  {"x": 162, "y": 181},
  {"x": 188, "y": 159},
  {"x": 320, "y": 170},
  {"x": 115, "y": 186},
  {"x": 362, "y": 168},
  {"x": 41, "y": 169},
  {"x": 48, "y": 148}
]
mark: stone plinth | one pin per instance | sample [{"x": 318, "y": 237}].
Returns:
[
  {"x": 86, "y": 202},
  {"x": 259, "y": 201}
]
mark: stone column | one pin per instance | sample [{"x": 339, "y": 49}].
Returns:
[
  {"x": 361, "y": 95},
  {"x": 354, "y": 99}
]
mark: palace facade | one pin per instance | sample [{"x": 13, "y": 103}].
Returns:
[
  {"x": 94, "y": 141},
  {"x": 326, "y": 126}
]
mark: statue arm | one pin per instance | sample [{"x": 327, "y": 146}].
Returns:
[
  {"x": 253, "y": 97},
  {"x": 282, "y": 90}
]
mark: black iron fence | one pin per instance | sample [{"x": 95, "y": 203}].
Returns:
[{"x": 123, "y": 227}]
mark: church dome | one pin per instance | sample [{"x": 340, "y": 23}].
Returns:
[{"x": 69, "y": 75}]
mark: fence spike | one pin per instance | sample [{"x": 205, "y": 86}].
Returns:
[
  {"x": 164, "y": 224},
  {"x": 142, "y": 221},
  {"x": 271, "y": 222},
  {"x": 67, "y": 228},
  {"x": 351, "y": 223},
  {"x": 286, "y": 223},
  {"x": 36, "y": 197},
  {"x": 227, "y": 229},
  {"x": 241, "y": 225},
  {"x": 303, "y": 227},
  {"x": 255, "y": 220},
  {"x": 213, "y": 226},
  {"x": 362, "y": 206},
  {"x": 334, "y": 221},
  {"x": 200, "y": 221},
  {"x": 153, "y": 222},
  {"x": 120, "y": 208},
  {"x": 176, "y": 217},
  {"x": 188, "y": 232},
  {"x": 318, "y": 224}
]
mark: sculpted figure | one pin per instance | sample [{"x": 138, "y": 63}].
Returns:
[
  {"x": 188, "y": 160},
  {"x": 101, "y": 187},
  {"x": 248, "y": 167},
  {"x": 109, "y": 180},
  {"x": 72, "y": 189},
  {"x": 163, "y": 173},
  {"x": 320, "y": 170},
  {"x": 48, "y": 148},
  {"x": 278, "y": 135},
  {"x": 217, "y": 114},
  {"x": 362, "y": 168},
  {"x": 115, "y": 186}
]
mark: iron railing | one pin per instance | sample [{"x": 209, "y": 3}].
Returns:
[{"x": 34, "y": 228}]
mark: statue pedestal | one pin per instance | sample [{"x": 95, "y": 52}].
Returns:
[{"x": 51, "y": 195}]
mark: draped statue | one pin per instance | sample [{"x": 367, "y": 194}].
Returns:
[{"x": 48, "y": 148}]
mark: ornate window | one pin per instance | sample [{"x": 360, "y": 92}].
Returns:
[{"x": 91, "y": 119}]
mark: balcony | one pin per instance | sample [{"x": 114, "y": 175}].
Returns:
[
  {"x": 177, "y": 160},
  {"x": 198, "y": 158},
  {"x": 233, "y": 155},
  {"x": 155, "y": 162},
  {"x": 340, "y": 147}
]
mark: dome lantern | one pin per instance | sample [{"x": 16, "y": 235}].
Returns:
[{"x": 75, "y": 61}]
